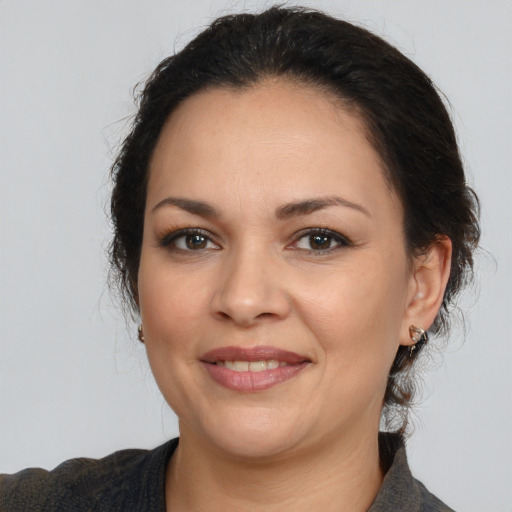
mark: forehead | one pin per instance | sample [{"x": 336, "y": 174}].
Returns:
[{"x": 277, "y": 139}]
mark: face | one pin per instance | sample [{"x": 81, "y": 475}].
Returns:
[{"x": 274, "y": 281}]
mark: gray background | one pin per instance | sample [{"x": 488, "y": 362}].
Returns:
[{"x": 73, "y": 379}]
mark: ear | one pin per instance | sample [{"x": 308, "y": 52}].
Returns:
[{"x": 427, "y": 283}]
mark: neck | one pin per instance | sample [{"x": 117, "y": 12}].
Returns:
[{"x": 339, "y": 475}]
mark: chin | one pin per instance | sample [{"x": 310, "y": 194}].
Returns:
[
  {"x": 255, "y": 445},
  {"x": 254, "y": 438}
]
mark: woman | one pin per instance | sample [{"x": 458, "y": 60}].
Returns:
[{"x": 291, "y": 218}]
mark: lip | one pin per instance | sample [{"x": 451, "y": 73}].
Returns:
[
  {"x": 252, "y": 381},
  {"x": 259, "y": 353}
]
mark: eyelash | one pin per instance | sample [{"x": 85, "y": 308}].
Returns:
[
  {"x": 169, "y": 241},
  {"x": 335, "y": 237}
]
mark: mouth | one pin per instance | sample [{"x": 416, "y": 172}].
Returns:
[
  {"x": 251, "y": 366},
  {"x": 252, "y": 369}
]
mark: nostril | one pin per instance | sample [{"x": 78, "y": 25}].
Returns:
[{"x": 264, "y": 315}]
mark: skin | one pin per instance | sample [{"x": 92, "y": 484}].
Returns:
[{"x": 308, "y": 443}]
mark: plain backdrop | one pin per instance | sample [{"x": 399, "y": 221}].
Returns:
[{"x": 73, "y": 379}]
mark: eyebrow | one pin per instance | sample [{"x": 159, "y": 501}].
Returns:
[
  {"x": 193, "y": 206},
  {"x": 295, "y": 209},
  {"x": 312, "y": 205}
]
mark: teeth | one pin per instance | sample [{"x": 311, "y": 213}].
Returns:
[
  {"x": 241, "y": 366},
  {"x": 257, "y": 366},
  {"x": 251, "y": 366}
]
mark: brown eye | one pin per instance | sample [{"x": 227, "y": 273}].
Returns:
[
  {"x": 188, "y": 240},
  {"x": 196, "y": 241},
  {"x": 320, "y": 242}
]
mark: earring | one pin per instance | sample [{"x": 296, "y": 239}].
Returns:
[
  {"x": 141, "y": 334},
  {"x": 419, "y": 336}
]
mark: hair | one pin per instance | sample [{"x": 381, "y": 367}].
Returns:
[{"x": 406, "y": 120}]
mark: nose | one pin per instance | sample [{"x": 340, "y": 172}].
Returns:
[{"x": 250, "y": 289}]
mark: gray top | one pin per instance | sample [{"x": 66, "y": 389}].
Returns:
[{"x": 134, "y": 480}]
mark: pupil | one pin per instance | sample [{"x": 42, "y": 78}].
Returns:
[
  {"x": 320, "y": 242},
  {"x": 196, "y": 242}
]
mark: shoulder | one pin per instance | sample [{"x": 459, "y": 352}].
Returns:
[
  {"x": 121, "y": 481},
  {"x": 429, "y": 502},
  {"x": 400, "y": 491}
]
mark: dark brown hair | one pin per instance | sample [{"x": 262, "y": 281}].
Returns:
[{"x": 406, "y": 120}]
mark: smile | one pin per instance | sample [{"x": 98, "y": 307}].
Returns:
[
  {"x": 251, "y": 366},
  {"x": 252, "y": 369}
]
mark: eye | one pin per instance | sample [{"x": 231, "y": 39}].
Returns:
[
  {"x": 320, "y": 240},
  {"x": 188, "y": 240}
]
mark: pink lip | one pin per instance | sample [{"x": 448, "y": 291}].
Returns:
[
  {"x": 260, "y": 353},
  {"x": 252, "y": 381}
]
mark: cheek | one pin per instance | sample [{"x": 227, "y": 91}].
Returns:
[
  {"x": 355, "y": 320},
  {"x": 172, "y": 307},
  {"x": 172, "y": 304},
  {"x": 355, "y": 311}
]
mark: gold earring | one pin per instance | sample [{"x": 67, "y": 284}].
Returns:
[
  {"x": 419, "y": 336},
  {"x": 141, "y": 334}
]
